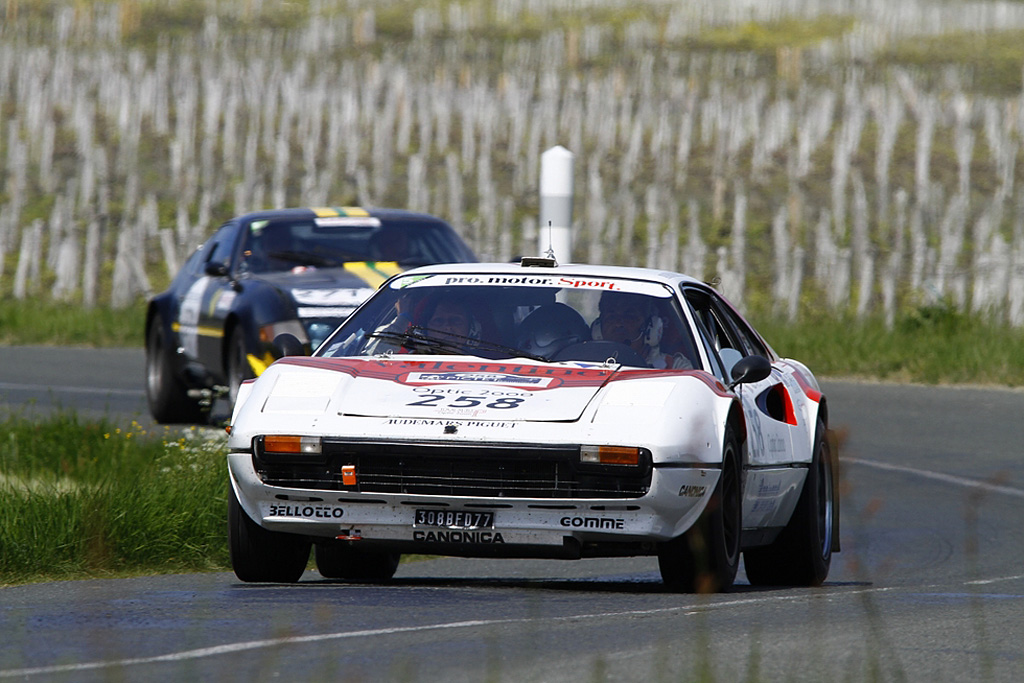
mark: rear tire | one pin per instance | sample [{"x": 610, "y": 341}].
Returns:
[
  {"x": 705, "y": 558},
  {"x": 802, "y": 553},
  {"x": 340, "y": 560},
  {"x": 167, "y": 395},
  {"x": 261, "y": 555}
]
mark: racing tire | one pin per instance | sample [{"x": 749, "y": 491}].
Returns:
[
  {"x": 706, "y": 557},
  {"x": 259, "y": 555},
  {"x": 167, "y": 395},
  {"x": 340, "y": 560},
  {"x": 802, "y": 553},
  {"x": 237, "y": 361}
]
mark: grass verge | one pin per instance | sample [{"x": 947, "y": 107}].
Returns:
[
  {"x": 95, "y": 499},
  {"x": 35, "y": 321},
  {"x": 930, "y": 345}
]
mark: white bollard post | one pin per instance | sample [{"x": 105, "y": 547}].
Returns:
[{"x": 556, "y": 187}]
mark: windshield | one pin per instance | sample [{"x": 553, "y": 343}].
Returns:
[
  {"x": 544, "y": 317},
  {"x": 274, "y": 245}
]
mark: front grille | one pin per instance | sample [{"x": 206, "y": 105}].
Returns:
[{"x": 478, "y": 470}]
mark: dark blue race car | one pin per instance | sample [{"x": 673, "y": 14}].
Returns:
[{"x": 300, "y": 271}]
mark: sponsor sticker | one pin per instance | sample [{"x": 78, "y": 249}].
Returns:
[
  {"x": 305, "y": 511},
  {"x": 331, "y": 297},
  {"x": 546, "y": 281},
  {"x": 425, "y": 422},
  {"x": 462, "y": 537},
  {"x": 692, "y": 491},
  {"x": 348, "y": 222},
  {"x": 592, "y": 522},
  {"x": 325, "y": 311},
  {"x": 478, "y": 378}
]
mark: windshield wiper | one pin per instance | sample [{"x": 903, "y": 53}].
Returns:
[
  {"x": 437, "y": 340},
  {"x": 415, "y": 340}
]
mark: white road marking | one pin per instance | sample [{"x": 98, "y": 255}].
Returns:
[
  {"x": 985, "y": 582},
  {"x": 938, "y": 476},
  {"x": 229, "y": 648}
]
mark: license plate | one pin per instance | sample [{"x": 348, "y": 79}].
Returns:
[{"x": 455, "y": 519}]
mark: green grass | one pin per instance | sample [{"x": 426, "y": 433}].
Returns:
[
  {"x": 993, "y": 58},
  {"x": 96, "y": 499},
  {"x": 931, "y": 345},
  {"x": 36, "y": 321},
  {"x": 765, "y": 38}
]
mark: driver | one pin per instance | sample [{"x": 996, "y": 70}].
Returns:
[
  {"x": 453, "y": 319},
  {"x": 631, "y": 319}
]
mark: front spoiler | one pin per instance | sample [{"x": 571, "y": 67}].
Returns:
[{"x": 567, "y": 528}]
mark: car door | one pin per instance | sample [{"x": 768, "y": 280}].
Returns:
[
  {"x": 767, "y": 405},
  {"x": 776, "y": 436},
  {"x": 204, "y": 306}
]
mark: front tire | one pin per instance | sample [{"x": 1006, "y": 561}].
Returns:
[
  {"x": 705, "y": 558},
  {"x": 166, "y": 394},
  {"x": 261, "y": 555},
  {"x": 340, "y": 560},
  {"x": 802, "y": 553}
]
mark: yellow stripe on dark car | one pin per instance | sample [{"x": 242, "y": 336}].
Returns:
[
  {"x": 325, "y": 212},
  {"x": 373, "y": 273},
  {"x": 387, "y": 268}
]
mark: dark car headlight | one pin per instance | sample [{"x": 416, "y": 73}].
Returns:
[
  {"x": 268, "y": 333},
  {"x": 319, "y": 330}
]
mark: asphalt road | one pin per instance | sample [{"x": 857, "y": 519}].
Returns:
[{"x": 929, "y": 585}]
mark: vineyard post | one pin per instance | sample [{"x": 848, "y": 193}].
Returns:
[{"x": 556, "y": 188}]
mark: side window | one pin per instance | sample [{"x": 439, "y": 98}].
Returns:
[
  {"x": 222, "y": 245},
  {"x": 712, "y": 353},
  {"x": 720, "y": 332},
  {"x": 717, "y": 328},
  {"x": 752, "y": 343},
  {"x": 194, "y": 265}
]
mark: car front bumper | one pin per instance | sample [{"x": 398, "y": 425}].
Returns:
[{"x": 517, "y": 526}]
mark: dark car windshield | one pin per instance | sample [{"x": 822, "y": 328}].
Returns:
[
  {"x": 542, "y": 317},
  {"x": 282, "y": 244}
]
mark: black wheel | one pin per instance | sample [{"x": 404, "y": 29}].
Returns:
[
  {"x": 341, "y": 560},
  {"x": 167, "y": 395},
  {"x": 802, "y": 553},
  {"x": 261, "y": 555},
  {"x": 706, "y": 557},
  {"x": 238, "y": 366}
]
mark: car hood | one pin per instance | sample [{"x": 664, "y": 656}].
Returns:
[
  {"x": 339, "y": 290},
  {"x": 435, "y": 387}
]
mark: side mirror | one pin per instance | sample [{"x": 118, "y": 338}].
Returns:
[
  {"x": 750, "y": 369},
  {"x": 286, "y": 344},
  {"x": 216, "y": 269}
]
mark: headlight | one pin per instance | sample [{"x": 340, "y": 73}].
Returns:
[
  {"x": 610, "y": 455},
  {"x": 287, "y": 449},
  {"x": 318, "y": 332},
  {"x": 268, "y": 333},
  {"x": 278, "y": 443}
]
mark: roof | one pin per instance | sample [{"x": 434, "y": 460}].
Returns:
[
  {"x": 570, "y": 269},
  {"x": 339, "y": 211}
]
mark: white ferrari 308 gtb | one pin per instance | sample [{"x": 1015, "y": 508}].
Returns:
[{"x": 536, "y": 410}]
